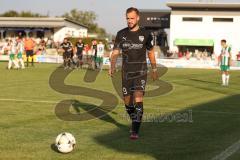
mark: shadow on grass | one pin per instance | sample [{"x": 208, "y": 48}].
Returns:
[
  {"x": 203, "y": 81},
  {"x": 83, "y": 111},
  {"x": 54, "y": 148},
  {"x": 215, "y": 126},
  {"x": 57, "y": 83}
]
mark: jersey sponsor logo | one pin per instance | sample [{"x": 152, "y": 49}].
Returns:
[
  {"x": 127, "y": 46},
  {"x": 141, "y": 38}
]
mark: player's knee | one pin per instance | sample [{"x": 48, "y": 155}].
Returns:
[
  {"x": 138, "y": 96},
  {"x": 138, "y": 99}
]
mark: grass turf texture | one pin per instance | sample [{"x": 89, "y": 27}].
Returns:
[{"x": 29, "y": 126}]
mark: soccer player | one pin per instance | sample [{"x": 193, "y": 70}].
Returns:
[
  {"x": 29, "y": 45},
  {"x": 134, "y": 42},
  {"x": 20, "y": 50},
  {"x": 12, "y": 49},
  {"x": 79, "y": 52},
  {"x": 225, "y": 62},
  {"x": 100, "y": 54},
  {"x": 67, "y": 48},
  {"x": 94, "y": 53}
]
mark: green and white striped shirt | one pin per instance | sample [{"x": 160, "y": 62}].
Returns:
[{"x": 225, "y": 56}]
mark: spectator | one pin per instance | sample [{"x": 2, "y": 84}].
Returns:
[
  {"x": 49, "y": 43},
  {"x": 42, "y": 47},
  {"x": 238, "y": 56}
]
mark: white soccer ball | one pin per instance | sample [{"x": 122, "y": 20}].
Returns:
[{"x": 65, "y": 142}]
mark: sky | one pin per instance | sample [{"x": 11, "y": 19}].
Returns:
[{"x": 111, "y": 13}]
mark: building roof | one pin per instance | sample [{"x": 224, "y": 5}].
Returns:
[
  {"x": 204, "y": 5},
  {"x": 155, "y": 10},
  {"x": 46, "y": 22}
]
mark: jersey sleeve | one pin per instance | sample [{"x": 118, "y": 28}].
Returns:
[
  {"x": 61, "y": 45},
  {"x": 149, "y": 42},
  {"x": 117, "y": 45},
  {"x": 229, "y": 49},
  {"x": 70, "y": 44}
]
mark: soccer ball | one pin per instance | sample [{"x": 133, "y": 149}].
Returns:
[{"x": 65, "y": 142}]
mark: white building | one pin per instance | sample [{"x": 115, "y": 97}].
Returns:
[
  {"x": 55, "y": 28},
  {"x": 195, "y": 25}
]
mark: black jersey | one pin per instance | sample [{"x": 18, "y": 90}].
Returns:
[
  {"x": 80, "y": 47},
  {"x": 94, "y": 47},
  {"x": 134, "y": 46},
  {"x": 66, "y": 46}
]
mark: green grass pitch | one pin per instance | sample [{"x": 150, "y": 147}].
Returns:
[{"x": 29, "y": 125}]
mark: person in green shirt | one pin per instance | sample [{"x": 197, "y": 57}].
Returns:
[
  {"x": 20, "y": 50},
  {"x": 225, "y": 62},
  {"x": 11, "y": 52}
]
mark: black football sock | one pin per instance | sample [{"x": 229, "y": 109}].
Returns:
[
  {"x": 130, "y": 110},
  {"x": 64, "y": 63},
  {"x": 69, "y": 63},
  {"x": 137, "y": 117}
]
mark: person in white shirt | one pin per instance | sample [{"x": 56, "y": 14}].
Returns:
[
  {"x": 100, "y": 54},
  {"x": 20, "y": 50},
  {"x": 12, "y": 50}
]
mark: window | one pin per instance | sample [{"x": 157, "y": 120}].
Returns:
[
  {"x": 222, "y": 19},
  {"x": 192, "y": 19}
]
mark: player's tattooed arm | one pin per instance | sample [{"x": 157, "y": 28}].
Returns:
[
  {"x": 152, "y": 59},
  {"x": 113, "y": 61}
]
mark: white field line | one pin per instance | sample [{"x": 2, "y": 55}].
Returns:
[
  {"x": 27, "y": 100},
  {"x": 228, "y": 152},
  {"x": 147, "y": 107}
]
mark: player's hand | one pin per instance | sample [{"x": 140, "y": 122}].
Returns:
[
  {"x": 154, "y": 75},
  {"x": 111, "y": 72},
  {"x": 60, "y": 50},
  {"x": 230, "y": 63}
]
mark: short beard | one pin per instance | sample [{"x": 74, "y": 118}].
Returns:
[{"x": 132, "y": 26}]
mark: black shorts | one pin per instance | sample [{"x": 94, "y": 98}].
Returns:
[
  {"x": 66, "y": 55},
  {"x": 80, "y": 56},
  {"x": 133, "y": 82},
  {"x": 29, "y": 53}
]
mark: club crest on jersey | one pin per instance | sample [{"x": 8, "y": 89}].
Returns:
[{"x": 141, "y": 38}]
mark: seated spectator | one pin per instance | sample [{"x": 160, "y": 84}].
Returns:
[
  {"x": 42, "y": 47},
  {"x": 238, "y": 56},
  {"x": 180, "y": 54}
]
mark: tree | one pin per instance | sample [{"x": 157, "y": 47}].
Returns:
[
  {"x": 87, "y": 18},
  {"x": 12, "y": 13},
  {"x": 30, "y": 14}
]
